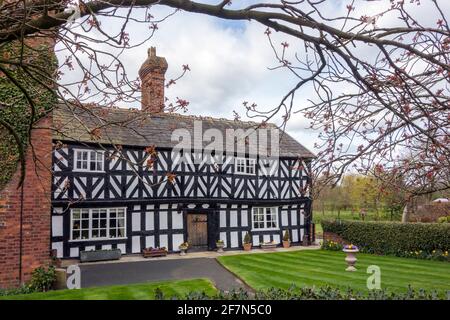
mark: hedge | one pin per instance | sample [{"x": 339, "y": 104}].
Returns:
[
  {"x": 391, "y": 237},
  {"x": 314, "y": 293}
]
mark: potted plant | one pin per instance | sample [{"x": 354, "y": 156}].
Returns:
[
  {"x": 154, "y": 252},
  {"x": 350, "y": 251},
  {"x": 268, "y": 245},
  {"x": 247, "y": 242},
  {"x": 286, "y": 241},
  {"x": 183, "y": 248},
  {"x": 56, "y": 262},
  {"x": 220, "y": 244}
]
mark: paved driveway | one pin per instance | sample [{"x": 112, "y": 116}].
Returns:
[{"x": 103, "y": 274}]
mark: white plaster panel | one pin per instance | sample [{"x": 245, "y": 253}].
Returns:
[
  {"x": 276, "y": 238},
  {"x": 244, "y": 218},
  {"x": 234, "y": 243},
  {"x": 284, "y": 219},
  {"x": 58, "y": 246},
  {"x": 294, "y": 235},
  {"x": 74, "y": 252},
  {"x": 136, "y": 244},
  {"x": 223, "y": 237},
  {"x": 136, "y": 221},
  {"x": 122, "y": 248},
  {"x": 177, "y": 239},
  {"x": 57, "y": 226},
  {"x": 149, "y": 221},
  {"x": 177, "y": 220},
  {"x": 223, "y": 219},
  {"x": 294, "y": 218},
  {"x": 150, "y": 241},
  {"x": 162, "y": 220},
  {"x": 233, "y": 219},
  {"x": 163, "y": 241}
]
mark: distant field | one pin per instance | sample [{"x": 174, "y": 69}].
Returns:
[{"x": 318, "y": 216}]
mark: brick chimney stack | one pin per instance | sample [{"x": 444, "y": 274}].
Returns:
[{"x": 152, "y": 82}]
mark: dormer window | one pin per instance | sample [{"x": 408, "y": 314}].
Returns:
[
  {"x": 88, "y": 160},
  {"x": 245, "y": 166}
]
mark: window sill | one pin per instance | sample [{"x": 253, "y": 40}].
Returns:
[
  {"x": 93, "y": 171},
  {"x": 271, "y": 229},
  {"x": 98, "y": 239},
  {"x": 245, "y": 174}
]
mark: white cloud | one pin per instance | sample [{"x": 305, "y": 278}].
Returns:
[{"x": 228, "y": 62}]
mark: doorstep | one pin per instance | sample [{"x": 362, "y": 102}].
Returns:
[{"x": 189, "y": 255}]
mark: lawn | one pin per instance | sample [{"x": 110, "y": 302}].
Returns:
[
  {"x": 320, "y": 267},
  {"x": 142, "y": 291}
]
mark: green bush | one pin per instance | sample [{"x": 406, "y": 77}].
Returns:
[
  {"x": 331, "y": 245},
  {"x": 316, "y": 293},
  {"x": 23, "y": 289},
  {"x": 286, "y": 236},
  {"x": 42, "y": 279},
  {"x": 247, "y": 238},
  {"x": 392, "y": 237},
  {"x": 444, "y": 219}
]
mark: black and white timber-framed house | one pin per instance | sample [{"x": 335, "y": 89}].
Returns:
[{"x": 118, "y": 191}]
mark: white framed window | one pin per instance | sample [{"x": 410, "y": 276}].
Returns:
[
  {"x": 265, "y": 218},
  {"x": 245, "y": 166},
  {"x": 97, "y": 224},
  {"x": 88, "y": 160}
]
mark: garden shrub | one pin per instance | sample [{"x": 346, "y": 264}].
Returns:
[
  {"x": 247, "y": 238},
  {"x": 42, "y": 279},
  {"x": 286, "y": 236},
  {"x": 400, "y": 239},
  {"x": 331, "y": 245},
  {"x": 23, "y": 289},
  {"x": 315, "y": 293},
  {"x": 444, "y": 219}
]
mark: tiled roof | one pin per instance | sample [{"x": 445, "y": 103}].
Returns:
[{"x": 132, "y": 127}]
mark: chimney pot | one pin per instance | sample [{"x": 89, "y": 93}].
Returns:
[
  {"x": 152, "y": 74},
  {"x": 152, "y": 52}
]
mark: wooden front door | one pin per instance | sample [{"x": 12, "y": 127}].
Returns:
[{"x": 197, "y": 230}]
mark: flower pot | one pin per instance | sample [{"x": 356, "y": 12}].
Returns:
[
  {"x": 350, "y": 259},
  {"x": 247, "y": 246},
  {"x": 219, "y": 247},
  {"x": 183, "y": 252},
  {"x": 286, "y": 244}
]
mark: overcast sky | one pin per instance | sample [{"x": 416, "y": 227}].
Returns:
[{"x": 229, "y": 63}]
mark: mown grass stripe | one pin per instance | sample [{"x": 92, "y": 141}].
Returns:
[{"x": 320, "y": 267}]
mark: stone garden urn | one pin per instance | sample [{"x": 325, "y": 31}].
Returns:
[
  {"x": 220, "y": 246},
  {"x": 183, "y": 248},
  {"x": 351, "y": 251}
]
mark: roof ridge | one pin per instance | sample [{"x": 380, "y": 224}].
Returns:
[{"x": 166, "y": 114}]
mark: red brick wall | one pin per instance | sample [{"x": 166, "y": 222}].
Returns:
[
  {"x": 152, "y": 99},
  {"x": 36, "y": 212}
]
